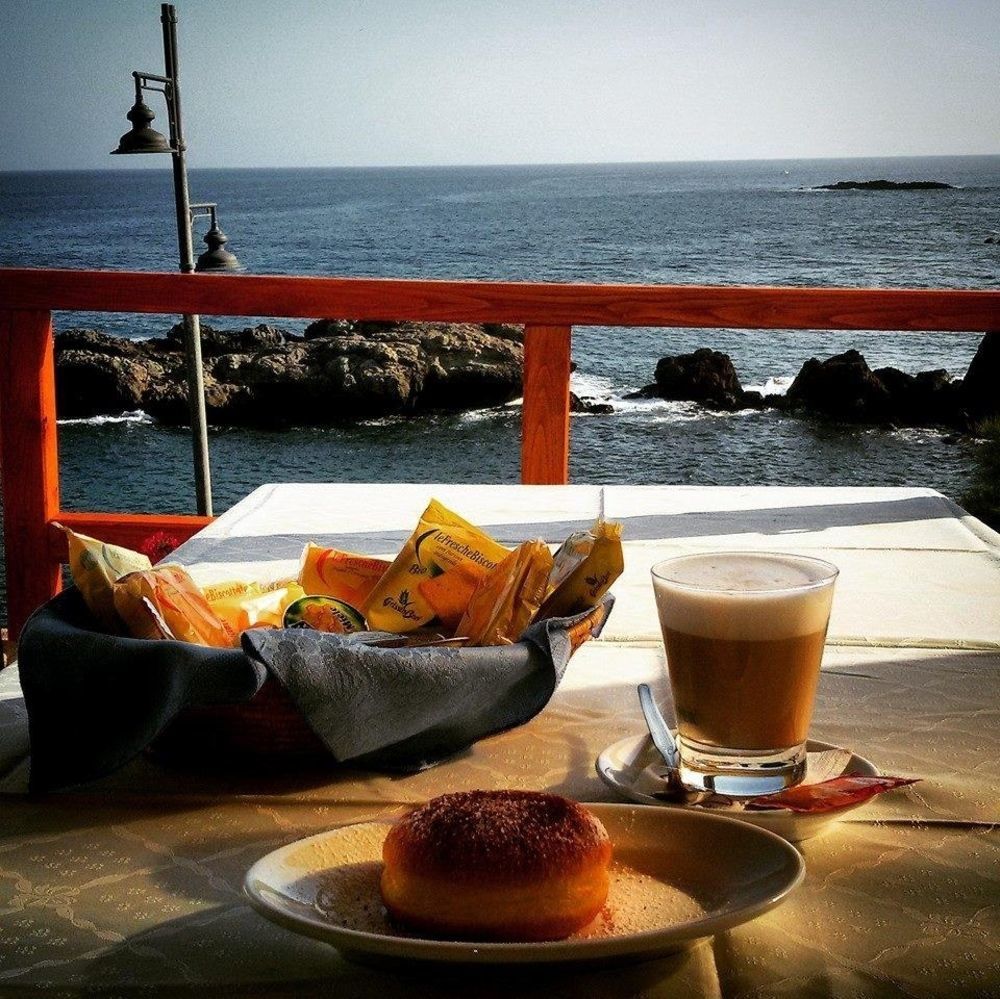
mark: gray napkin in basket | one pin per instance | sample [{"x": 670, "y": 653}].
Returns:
[{"x": 95, "y": 700}]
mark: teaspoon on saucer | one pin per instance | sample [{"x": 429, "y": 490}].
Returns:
[{"x": 663, "y": 739}]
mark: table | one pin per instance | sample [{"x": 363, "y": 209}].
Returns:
[{"x": 133, "y": 882}]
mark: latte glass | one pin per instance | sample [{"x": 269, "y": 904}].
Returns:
[{"x": 744, "y": 634}]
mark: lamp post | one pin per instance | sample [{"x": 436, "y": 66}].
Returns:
[
  {"x": 142, "y": 138},
  {"x": 215, "y": 259}
]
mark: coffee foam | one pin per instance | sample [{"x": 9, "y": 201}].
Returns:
[{"x": 759, "y": 601}]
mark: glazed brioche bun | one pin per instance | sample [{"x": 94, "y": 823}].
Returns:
[{"x": 496, "y": 865}]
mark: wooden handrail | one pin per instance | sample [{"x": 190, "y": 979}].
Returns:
[
  {"x": 28, "y": 453},
  {"x": 732, "y": 307}
]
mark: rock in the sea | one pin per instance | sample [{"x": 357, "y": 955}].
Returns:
[
  {"x": 262, "y": 376},
  {"x": 706, "y": 376},
  {"x": 981, "y": 385},
  {"x": 215, "y": 342},
  {"x": 584, "y": 404},
  {"x": 843, "y": 387},
  {"x": 885, "y": 185}
]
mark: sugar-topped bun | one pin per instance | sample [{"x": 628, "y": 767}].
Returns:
[{"x": 496, "y": 865}]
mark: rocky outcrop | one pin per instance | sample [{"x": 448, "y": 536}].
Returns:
[
  {"x": 843, "y": 387},
  {"x": 705, "y": 376},
  {"x": 981, "y": 385},
  {"x": 885, "y": 185},
  {"x": 586, "y": 404},
  {"x": 263, "y": 376}
]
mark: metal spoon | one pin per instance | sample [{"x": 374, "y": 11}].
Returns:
[
  {"x": 672, "y": 788},
  {"x": 662, "y": 737}
]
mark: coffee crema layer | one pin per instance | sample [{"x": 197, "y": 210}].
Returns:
[{"x": 744, "y": 597}]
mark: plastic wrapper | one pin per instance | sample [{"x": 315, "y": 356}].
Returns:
[
  {"x": 165, "y": 602},
  {"x": 328, "y": 572},
  {"x": 252, "y": 605},
  {"x": 95, "y": 567},
  {"x": 324, "y": 614},
  {"x": 449, "y": 593},
  {"x": 509, "y": 597},
  {"x": 441, "y": 542},
  {"x": 584, "y": 567},
  {"x": 828, "y": 794}
]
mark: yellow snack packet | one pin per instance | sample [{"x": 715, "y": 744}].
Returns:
[
  {"x": 256, "y": 606},
  {"x": 327, "y": 572},
  {"x": 584, "y": 568},
  {"x": 95, "y": 566},
  {"x": 450, "y": 592},
  {"x": 509, "y": 597},
  {"x": 167, "y": 597},
  {"x": 231, "y": 589},
  {"x": 442, "y": 540}
]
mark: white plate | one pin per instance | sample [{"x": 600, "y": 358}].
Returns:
[
  {"x": 677, "y": 878},
  {"x": 621, "y": 766}
]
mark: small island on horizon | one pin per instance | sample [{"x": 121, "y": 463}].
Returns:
[{"x": 886, "y": 185}]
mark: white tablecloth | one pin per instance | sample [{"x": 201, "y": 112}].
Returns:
[{"x": 132, "y": 885}]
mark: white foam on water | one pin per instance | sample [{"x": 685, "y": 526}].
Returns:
[
  {"x": 137, "y": 416},
  {"x": 744, "y": 597},
  {"x": 591, "y": 386},
  {"x": 775, "y": 385},
  {"x": 482, "y": 415}
]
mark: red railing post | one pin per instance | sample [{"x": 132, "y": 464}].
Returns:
[
  {"x": 29, "y": 460},
  {"x": 545, "y": 414}
]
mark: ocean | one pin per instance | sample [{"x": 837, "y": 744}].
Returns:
[{"x": 670, "y": 223}]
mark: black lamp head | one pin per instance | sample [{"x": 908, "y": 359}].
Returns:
[
  {"x": 141, "y": 138},
  {"x": 216, "y": 258}
]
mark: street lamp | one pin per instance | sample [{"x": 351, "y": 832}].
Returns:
[
  {"x": 215, "y": 259},
  {"x": 142, "y": 138}
]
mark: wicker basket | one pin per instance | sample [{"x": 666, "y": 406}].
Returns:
[{"x": 266, "y": 730}]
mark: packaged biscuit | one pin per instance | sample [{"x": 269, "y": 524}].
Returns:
[
  {"x": 166, "y": 597},
  {"x": 449, "y": 593},
  {"x": 441, "y": 542},
  {"x": 585, "y": 566},
  {"x": 251, "y": 605},
  {"x": 95, "y": 566},
  {"x": 327, "y": 572},
  {"x": 509, "y": 597}
]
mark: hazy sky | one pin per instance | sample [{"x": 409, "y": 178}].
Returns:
[{"x": 399, "y": 82}]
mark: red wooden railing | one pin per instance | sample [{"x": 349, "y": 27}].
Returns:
[{"x": 28, "y": 452}]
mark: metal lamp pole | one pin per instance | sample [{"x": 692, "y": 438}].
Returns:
[{"x": 143, "y": 139}]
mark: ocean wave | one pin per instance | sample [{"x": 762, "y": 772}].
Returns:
[
  {"x": 137, "y": 416},
  {"x": 591, "y": 386},
  {"x": 492, "y": 413},
  {"x": 776, "y": 385}
]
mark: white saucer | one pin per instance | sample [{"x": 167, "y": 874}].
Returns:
[
  {"x": 677, "y": 877},
  {"x": 622, "y": 767}
]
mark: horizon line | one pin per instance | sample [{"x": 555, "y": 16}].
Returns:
[{"x": 494, "y": 166}]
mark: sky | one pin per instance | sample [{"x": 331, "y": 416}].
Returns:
[{"x": 320, "y": 83}]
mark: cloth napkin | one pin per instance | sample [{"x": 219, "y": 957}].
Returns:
[{"x": 95, "y": 700}]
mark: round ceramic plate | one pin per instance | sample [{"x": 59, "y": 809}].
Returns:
[
  {"x": 677, "y": 877},
  {"x": 623, "y": 767}
]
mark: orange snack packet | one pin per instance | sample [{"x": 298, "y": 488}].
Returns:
[
  {"x": 450, "y": 592},
  {"x": 509, "y": 597},
  {"x": 327, "y": 572},
  {"x": 95, "y": 566},
  {"x": 442, "y": 540},
  {"x": 167, "y": 598}
]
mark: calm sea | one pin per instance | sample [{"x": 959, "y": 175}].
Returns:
[{"x": 724, "y": 223}]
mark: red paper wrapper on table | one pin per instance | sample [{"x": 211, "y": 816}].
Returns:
[{"x": 829, "y": 794}]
